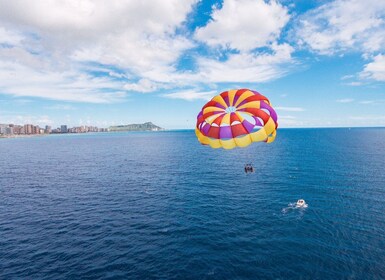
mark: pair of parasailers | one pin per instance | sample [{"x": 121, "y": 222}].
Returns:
[{"x": 249, "y": 168}]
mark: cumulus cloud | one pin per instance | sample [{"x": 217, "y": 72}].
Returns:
[
  {"x": 244, "y": 24},
  {"x": 23, "y": 79},
  {"x": 51, "y": 44},
  {"x": 344, "y": 25},
  {"x": 98, "y": 52},
  {"x": 375, "y": 70},
  {"x": 248, "y": 67},
  {"x": 10, "y": 37}
]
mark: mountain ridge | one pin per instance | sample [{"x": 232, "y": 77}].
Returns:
[{"x": 147, "y": 126}]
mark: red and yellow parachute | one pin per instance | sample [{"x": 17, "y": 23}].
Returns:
[{"x": 236, "y": 118}]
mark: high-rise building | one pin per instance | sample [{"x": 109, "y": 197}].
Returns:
[
  {"x": 63, "y": 129},
  {"x": 3, "y": 128},
  {"x": 48, "y": 129},
  {"x": 28, "y": 129},
  {"x": 16, "y": 129},
  {"x": 9, "y": 130}
]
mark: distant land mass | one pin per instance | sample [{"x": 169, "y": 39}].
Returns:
[{"x": 148, "y": 126}]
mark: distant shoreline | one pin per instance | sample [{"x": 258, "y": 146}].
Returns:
[
  {"x": 86, "y": 133},
  {"x": 175, "y": 130},
  {"x": 23, "y": 135}
]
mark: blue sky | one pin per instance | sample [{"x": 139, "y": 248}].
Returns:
[{"x": 321, "y": 63}]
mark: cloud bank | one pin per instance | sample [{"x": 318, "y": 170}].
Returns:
[{"x": 101, "y": 52}]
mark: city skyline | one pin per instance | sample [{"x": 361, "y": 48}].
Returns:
[
  {"x": 321, "y": 63},
  {"x": 32, "y": 129}
]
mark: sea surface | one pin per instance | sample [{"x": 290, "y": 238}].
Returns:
[{"x": 161, "y": 206}]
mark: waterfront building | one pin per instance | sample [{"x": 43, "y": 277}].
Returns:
[
  {"x": 28, "y": 129},
  {"x": 48, "y": 129},
  {"x": 9, "y": 130},
  {"x": 63, "y": 129},
  {"x": 2, "y": 128},
  {"x": 36, "y": 129}
]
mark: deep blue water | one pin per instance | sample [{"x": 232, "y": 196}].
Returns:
[{"x": 161, "y": 206}]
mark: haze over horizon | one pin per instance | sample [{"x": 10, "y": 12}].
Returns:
[{"x": 321, "y": 63}]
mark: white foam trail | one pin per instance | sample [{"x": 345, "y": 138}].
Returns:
[{"x": 293, "y": 206}]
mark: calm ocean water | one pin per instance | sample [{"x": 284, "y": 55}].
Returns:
[{"x": 161, "y": 206}]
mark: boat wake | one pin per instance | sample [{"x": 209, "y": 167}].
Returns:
[{"x": 299, "y": 205}]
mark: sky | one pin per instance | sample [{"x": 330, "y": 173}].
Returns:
[{"x": 102, "y": 63}]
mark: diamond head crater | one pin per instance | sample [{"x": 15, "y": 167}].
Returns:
[{"x": 147, "y": 126}]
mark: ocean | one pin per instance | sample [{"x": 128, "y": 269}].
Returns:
[{"x": 158, "y": 205}]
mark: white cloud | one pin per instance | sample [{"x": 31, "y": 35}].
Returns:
[
  {"x": 98, "y": 52},
  {"x": 375, "y": 70},
  {"x": 367, "y": 102},
  {"x": 347, "y": 77},
  {"x": 373, "y": 102},
  {"x": 345, "y": 100},
  {"x": 51, "y": 44},
  {"x": 289, "y": 109},
  {"x": 9, "y": 37},
  {"x": 81, "y": 19},
  {"x": 344, "y": 25},
  {"x": 354, "y": 84},
  {"x": 248, "y": 67},
  {"x": 191, "y": 95},
  {"x": 244, "y": 24},
  {"x": 143, "y": 85},
  {"x": 70, "y": 85}
]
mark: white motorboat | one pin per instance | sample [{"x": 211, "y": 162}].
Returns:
[{"x": 301, "y": 203}]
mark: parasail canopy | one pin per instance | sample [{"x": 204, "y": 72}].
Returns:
[{"x": 236, "y": 118}]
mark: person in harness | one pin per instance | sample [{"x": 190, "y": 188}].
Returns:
[{"x": 249, "y": 168}]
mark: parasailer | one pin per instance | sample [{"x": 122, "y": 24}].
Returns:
[
  {"x": 236, "y": 118},
  {"x": 249, "y": 168}
]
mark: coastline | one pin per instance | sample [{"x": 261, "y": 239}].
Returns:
[
  {"x": 22, "y": 135},
  {"x": 6, "y": 136}
]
